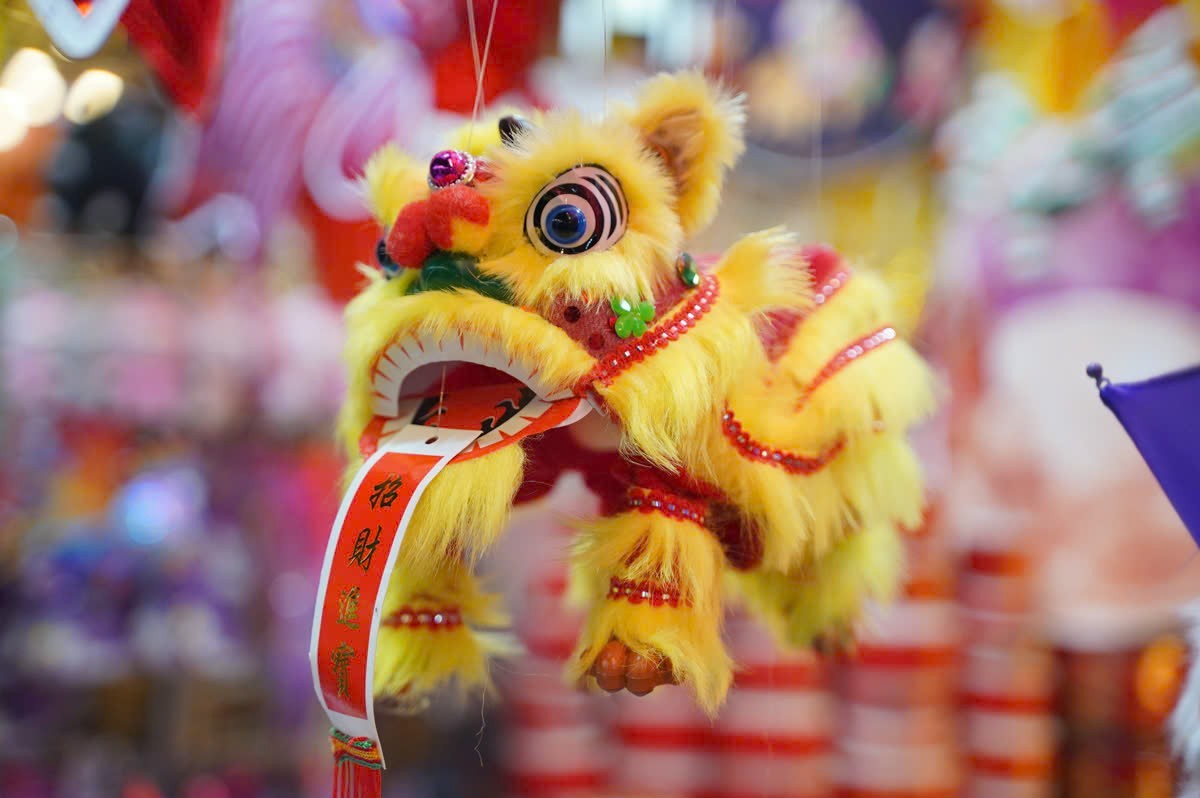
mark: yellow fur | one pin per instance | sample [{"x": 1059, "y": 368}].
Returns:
[
  {"x": 417, "y": 661},
  {"x": 828, "y": 536},
  {"x": 381, "y": 314},
  {"x": 828, "y": 593},
  {"x": 701, "y": 128},
  {"x": 391, "y": 179},
  {"x": 677, "y": 555}
]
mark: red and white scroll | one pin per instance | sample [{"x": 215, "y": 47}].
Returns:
[{"x": 363, "y": 547}]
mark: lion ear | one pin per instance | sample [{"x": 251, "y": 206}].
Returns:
[{"x": 695, "y": 129}]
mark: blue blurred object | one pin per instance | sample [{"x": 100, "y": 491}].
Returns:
[
  {"x": 160, "y": 504},
  {"x": 1162, "y": 416}
]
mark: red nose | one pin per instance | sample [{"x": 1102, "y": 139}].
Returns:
[{"x": 426, "y": 225}]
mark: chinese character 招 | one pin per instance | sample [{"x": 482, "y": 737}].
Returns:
[
  {"x": 347, "y": 607},
  {"x": 341, "y": 658},
  {"x": 364, "y": 547},
  {"x": 384, "y": 493}
]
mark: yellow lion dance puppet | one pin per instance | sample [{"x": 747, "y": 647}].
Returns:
[{"x": 761, "y": 399}]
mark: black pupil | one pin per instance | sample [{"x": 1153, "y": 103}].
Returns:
[{"x": 564, "y": 224}]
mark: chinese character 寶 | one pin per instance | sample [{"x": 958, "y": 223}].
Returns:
[{"x": 341, "y": 658}]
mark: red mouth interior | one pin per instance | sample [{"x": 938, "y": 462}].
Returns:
[{"x": 465, "y": 395}]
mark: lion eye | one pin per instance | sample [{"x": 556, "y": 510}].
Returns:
[{"x": 582, "y": 209}]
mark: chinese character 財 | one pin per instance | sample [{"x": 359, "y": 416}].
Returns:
[
  {"x": 341, "y": 658},
  {"x": 384, "y": 493},
  {"x": 364, "y": 547},
  {"x": 347, "y": 607}
]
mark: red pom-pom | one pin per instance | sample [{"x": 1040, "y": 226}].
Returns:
[
  {"x": 408, "y": 243},
  {"x": 448, "y": 204}
]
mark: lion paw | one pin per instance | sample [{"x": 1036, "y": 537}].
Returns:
[{"x": 617, "y": 668}]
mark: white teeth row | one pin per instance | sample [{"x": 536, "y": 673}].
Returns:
[{"x": 398, "y": 361}]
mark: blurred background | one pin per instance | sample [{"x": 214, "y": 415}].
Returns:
[{"x": 179, "y": 228}]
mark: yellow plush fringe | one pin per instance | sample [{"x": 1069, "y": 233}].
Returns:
[
  {"x": 381, "y": 314},
  {"x": 875, "y": 478},
  {"x": 663, "y": 400},
  {"x": 415, "y": 662},
  {"x": 700, "y": 127},
  {"x": 764, "y": 271},
  {"x": 827, "y": 594},
  {"x": 862, "y": 306},
  {"x": 636, "y": 545},
  {"x": 889, "y": 388},
  {"x": 673, "y": 553},
  {"x": 391, "y": 180},
  {"x": 464, "y": 509}
]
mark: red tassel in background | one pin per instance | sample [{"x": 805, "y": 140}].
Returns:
[{"x": 357, "y": 767}]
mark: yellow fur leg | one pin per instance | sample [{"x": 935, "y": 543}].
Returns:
[
  {"x": 676, "y": 556},
  {"x": 416, "y": 661},
  {"x": 829, "y": 593},
  {"x": 689, "y": 639}
]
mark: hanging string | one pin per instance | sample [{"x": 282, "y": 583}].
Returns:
[
  {"x": 480, "y": 61},
  {"x": 604, "y": 61}
]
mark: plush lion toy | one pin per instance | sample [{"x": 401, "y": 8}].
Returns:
[{"x": 761, "y": 404}]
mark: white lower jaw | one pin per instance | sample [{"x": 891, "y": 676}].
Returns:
[{"x": 399, "y": 361}]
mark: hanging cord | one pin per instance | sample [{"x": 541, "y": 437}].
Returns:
[
  {"x": 604, "y": 59},
  {"x": 480, "y": 62}
]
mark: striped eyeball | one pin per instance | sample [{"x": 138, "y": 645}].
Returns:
[{"x": 581, "y": 210}]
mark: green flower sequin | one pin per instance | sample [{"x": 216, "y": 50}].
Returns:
[{"x": 631, "y": 320}]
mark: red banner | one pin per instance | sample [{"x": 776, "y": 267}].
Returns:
[{"x": 362, "y": 549}]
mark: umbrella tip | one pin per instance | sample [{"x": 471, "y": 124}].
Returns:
[{"x": 1096, "y": 372}]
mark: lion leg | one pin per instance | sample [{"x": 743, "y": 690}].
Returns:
[
  {"x": 820, "y": 601},
  {"x": 439, "y": 628},
  {"x": 652, "y": 577}
]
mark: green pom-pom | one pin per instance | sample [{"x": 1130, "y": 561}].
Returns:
[
  {"x": 621, "y": 306},
  {"x": 645, "y": 310},
  {"x": 625, "y": 326},
  {"x": 639, "y": 326}
]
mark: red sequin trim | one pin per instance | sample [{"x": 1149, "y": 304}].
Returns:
[
  {"x": 868, "y": 343},
  {"x": 428, "y": 618},
  {"x": 646, "y": 591},
  {"x": 653, "y": 501},
  {"x": 788, "y": 461},
  {"x": 830, "y": 287},
  {"x": 620, "y": 357}
]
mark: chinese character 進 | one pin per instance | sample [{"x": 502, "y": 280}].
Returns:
[
  {"x": 341, "y": 658},
  {"x": 364, "y": 547},
  {"x": 384, "y": 493},
  {"x": 347, "y": 607}
]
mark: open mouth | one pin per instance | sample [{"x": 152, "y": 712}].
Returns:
[{"x": 462, "y": 383}]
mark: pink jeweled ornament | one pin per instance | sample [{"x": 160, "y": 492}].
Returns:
[{"x": 451, "y": 167}]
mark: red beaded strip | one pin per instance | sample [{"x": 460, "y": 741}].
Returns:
[
  {"x": 651, "y": 593},
  {"x": 653, "y": 501},
  {"x": 788, "y": 461},
  {"x": 831, "y": 287},
  {"x": 616, "y": 360},
  {"x": 410, "y": 618},
  {"x": 866, "y": 344}
]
